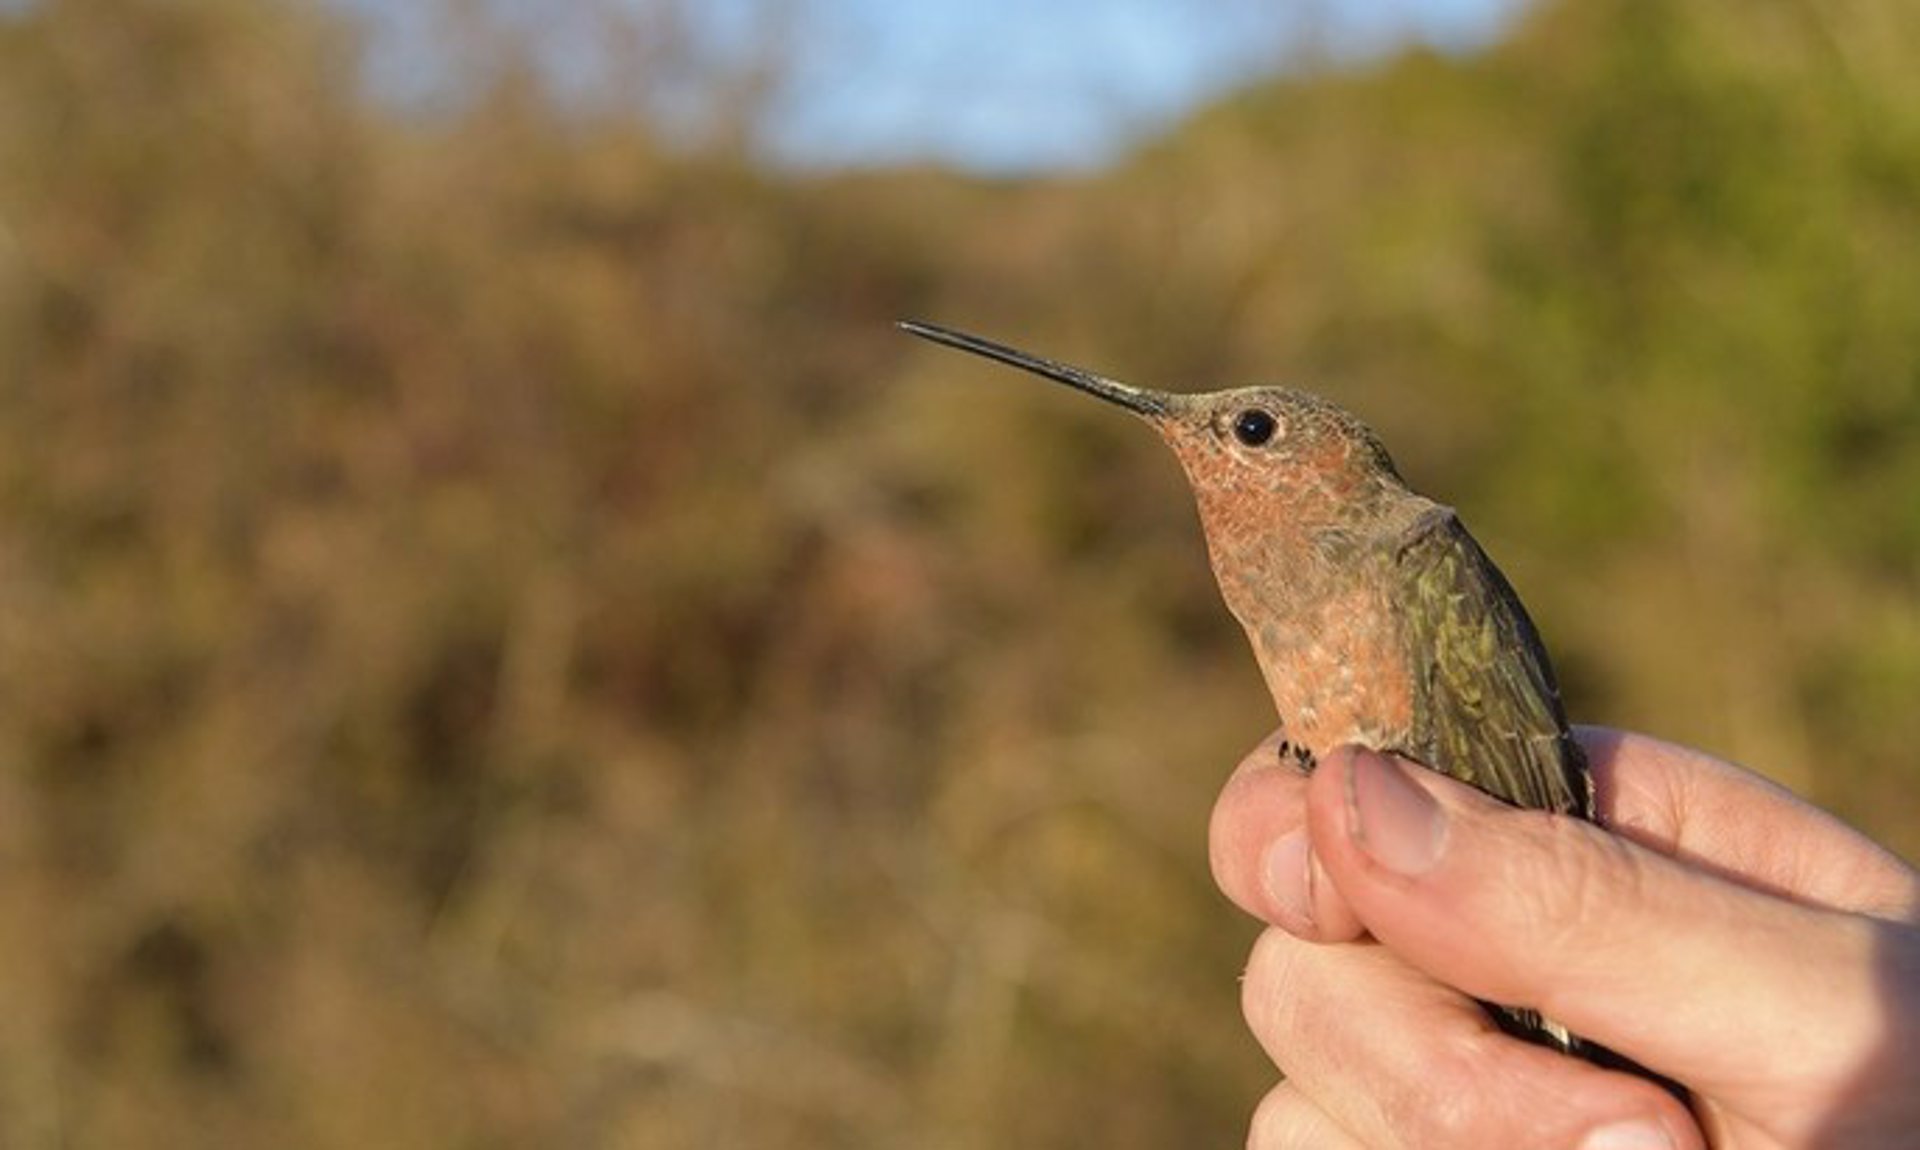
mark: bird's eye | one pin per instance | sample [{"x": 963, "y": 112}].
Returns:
[{"x": 1254, "y": 427}]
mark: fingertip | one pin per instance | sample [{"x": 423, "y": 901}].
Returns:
[
  {"x": 1262, "y": 857},
  {"x": 1256, "y": 809},
  {"x": 1264, "y": 755},
  {"x": 1259, "y": 805}
]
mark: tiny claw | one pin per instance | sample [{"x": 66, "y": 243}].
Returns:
[{"x": 1299, "y": 758}]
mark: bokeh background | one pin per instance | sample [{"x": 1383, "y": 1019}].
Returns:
[{"x": 501, "y": 645}]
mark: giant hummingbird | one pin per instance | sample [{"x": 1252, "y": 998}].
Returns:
[{"x": 1376, "y": 618}]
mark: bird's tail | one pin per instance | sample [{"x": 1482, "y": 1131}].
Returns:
[{"x": 1534, "y": 1027}]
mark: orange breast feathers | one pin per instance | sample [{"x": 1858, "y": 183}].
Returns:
[{"x": 1337, "y": 671}]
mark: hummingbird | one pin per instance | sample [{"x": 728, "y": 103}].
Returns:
[{"x": 1375, "y": 617}]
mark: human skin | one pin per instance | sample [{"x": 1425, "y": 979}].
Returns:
[{"x": 1720, "y": 931}]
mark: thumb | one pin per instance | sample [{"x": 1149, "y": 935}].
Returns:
[{"x": 1687, "y": 973}]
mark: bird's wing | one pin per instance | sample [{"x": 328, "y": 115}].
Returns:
[{"x": 1486, "y": 708}]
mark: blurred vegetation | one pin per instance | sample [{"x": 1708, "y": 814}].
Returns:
[{"x": 501, "y": 645}]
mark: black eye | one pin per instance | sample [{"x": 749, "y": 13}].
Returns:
[{"x": 1254, "y": 427}]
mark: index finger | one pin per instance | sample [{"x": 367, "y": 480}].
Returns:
[{"x": 1731, "y": 822}]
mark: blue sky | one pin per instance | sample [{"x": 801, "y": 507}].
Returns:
[
  {"x": 991, "y": 85},
  {"x": 1006, "y": 85}
]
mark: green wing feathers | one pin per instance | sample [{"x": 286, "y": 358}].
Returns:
[{"x": 1486, "y": 708}]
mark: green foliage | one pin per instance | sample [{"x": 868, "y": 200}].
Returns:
[{"x": 500, "y": 644}]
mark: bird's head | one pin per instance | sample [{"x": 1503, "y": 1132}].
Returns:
[{"x": 1268, "y": 465}]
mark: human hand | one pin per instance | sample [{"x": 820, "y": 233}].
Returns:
[{"x": 1725, "y": 934}]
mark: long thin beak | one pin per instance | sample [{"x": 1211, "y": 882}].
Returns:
[{"x": 1152, "y": 404}]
